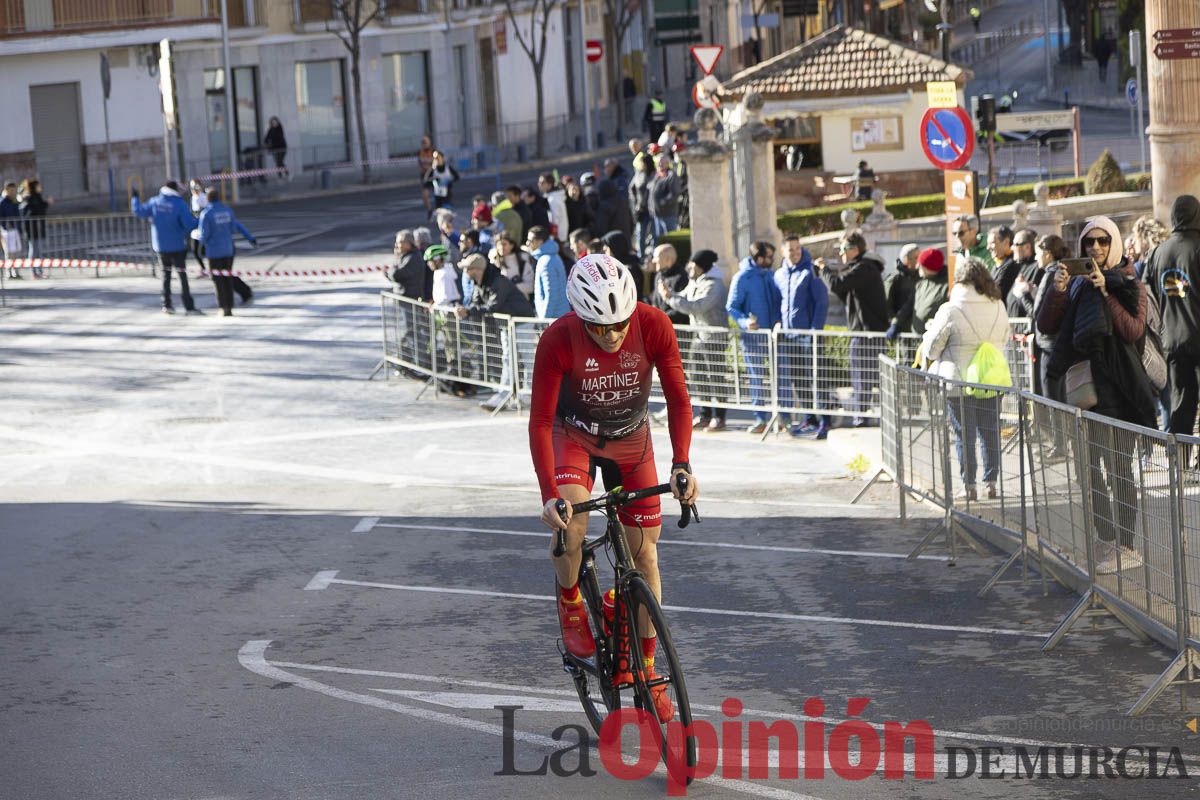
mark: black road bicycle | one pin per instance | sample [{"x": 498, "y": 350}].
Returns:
[{"x": 617, "y": 665}]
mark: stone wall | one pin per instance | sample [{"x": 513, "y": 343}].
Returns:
[{"x": 139, "y": 161}]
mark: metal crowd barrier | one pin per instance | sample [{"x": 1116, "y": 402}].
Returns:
[
  {"x": 1109, "y": 509},
  {"x": 782, "y": 373},
  {"x": 119, "y": 238}
]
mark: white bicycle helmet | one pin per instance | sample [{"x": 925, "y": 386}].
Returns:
[{"x": 600, "y": 290}]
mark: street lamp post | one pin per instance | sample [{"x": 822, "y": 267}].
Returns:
[{"x": 229, "y": 127}]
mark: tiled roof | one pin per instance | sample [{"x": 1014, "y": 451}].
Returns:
[{"x": 844, "y": 62}]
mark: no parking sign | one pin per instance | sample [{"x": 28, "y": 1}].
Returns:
[{"x": 947, "y": 137}]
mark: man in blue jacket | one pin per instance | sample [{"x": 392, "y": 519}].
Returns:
[
  {"x": 754, "y": 304},
  {"x": 171, "y": 224},
  {"x": 217, "y": 224},
  {"x": 549, "y": 276},
  {"x": 804, "y": 305}
]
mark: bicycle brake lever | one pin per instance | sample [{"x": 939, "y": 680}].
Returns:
[
  {"x": 560, "y": 537},
  {"x": 687, "y": 511}
]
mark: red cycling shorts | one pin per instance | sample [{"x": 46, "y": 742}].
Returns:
[{"x": 577, "y": 454}]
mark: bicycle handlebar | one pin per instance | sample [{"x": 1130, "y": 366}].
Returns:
[{"x": 688, "y": 512}]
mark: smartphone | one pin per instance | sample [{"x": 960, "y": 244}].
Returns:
[{"x": 1077, "y": 266}]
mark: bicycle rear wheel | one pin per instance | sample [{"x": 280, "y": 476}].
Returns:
[
  {"x": 667, "y": 672},
  {"x": 595, "y": 689}
]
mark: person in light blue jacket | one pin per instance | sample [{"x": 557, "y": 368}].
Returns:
[
  {"x": 549, "y": 276},
  {"x": 171, "y": 224},
  {"x": 754, "y": 304},
  {"x": 804, "y": 306},
  {"x": 217, "y": 226}
]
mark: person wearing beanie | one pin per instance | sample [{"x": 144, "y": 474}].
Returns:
[
  {"x": 932, "y": 289},
  {"x": 703, "y": 300},
  {"x": 1172, "y": 278}
]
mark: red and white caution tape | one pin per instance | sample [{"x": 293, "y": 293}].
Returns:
[
  {"x": 243, "y": 173},
  {"x": 76, "y": 263},
  {"x": 301, "y": 273}
]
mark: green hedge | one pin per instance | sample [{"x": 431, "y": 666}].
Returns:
[{"x": 825, "y": 219}]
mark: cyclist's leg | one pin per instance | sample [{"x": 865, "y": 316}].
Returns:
[{"x": 566, "y": 566}]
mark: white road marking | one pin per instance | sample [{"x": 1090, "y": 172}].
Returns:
[
  {"x": 425, "y": 452},
  {"x": 676, "y": 542},
  {"x": 365, "y": 525},
  {"x": 470, "y": 700},
  {"x": 746, "y": 712},
  {"x": 376, "y": 430},
  {"x": 696, "y": 610},
  {"x": 252, "y": 656},
  {"x": 321, "y": 580}
]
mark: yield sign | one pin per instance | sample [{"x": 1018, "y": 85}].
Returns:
[
  {"x": 706, "y": 55},
  {"x": 947, "y": 137}
]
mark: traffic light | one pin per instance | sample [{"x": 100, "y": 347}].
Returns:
[{"x": 986, "y": 115}]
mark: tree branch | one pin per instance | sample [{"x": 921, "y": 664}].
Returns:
[{"x": 517, "y": 30}]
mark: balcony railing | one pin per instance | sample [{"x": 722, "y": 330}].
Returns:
[
  {"x": 308, "y": 11},
  {"x": 41, "y": 17}
]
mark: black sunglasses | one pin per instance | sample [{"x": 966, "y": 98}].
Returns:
[{"x": 1092, "y": 241}]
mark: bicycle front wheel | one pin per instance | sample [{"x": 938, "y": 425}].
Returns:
[{"x": 659, "y": 687}]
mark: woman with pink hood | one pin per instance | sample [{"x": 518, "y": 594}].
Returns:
[{"x": 1100, "y": 322}]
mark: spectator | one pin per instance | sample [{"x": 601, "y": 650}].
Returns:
[
  {"x": 171, "y": 225},
  {"x": 804, "y": 304},
  {"x": 1147, "y": 234},
  {"x": 974, "y": 315},
  {"x": 613, "y": 171},
  {"x": 10, "y": 226},
  {"x": 423, "y": 237},
  {"x": 579, "y": 212},
  {"x": 1098, "y": 319},
  {"x": 579, "y": 240},
  {"x": 703, "y": 300},
  {"x": 931, "y": 290},
  {"x": 481, "y": 222},
  {"x": 1173, "y": 277},
  {"x": 199, "y": 200},
  {"x": 33, "y": 207},
  {"x": 494, "y": 294},
  {"x": 639, "y": 204},
  {"x": 424, "y": 164},
  {"x": 276, "y": 144},
  {"x": 549, "y": 276},
  {"x": 412, "y": 278},
  {"x": 446, "y": 291},
  {"x": 628, "y": 93},
  {"x": 217, "y": 225},
  {"x": 864, "y": 181},
  {"x": 665, "y": 191},
  {"x": 513, "y": 263},
  {"x": 511, "y": 216},
  {"x": 1006, "y": 268},
  {"x": 612, "y": 212},
  {"x": 616, "y": 244},
  {"x": 469, "y": 245},
  {"x": 754, "y": 304},
  {"x": 860, "y": 287},
  {"x": 538, "y": 208},
  {"x": 1049, "y": 251},
  {"x": 669, "y": 277},
  {"x": 1019, "y": 299},
  {"x": 449, "y": 235},
  {"x": 898, "y": 289},
  {"x": 441, "y": 178},
  {"x": 636, "y": 146},
  {"x": 1103, "y": 50},
  {"x": 655, "y": 115},
  {"x": 966, "y": 230},
  {"x": 555, "y": 198}
]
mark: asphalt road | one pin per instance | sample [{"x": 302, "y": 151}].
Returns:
[{"x": 230, "y": 567}]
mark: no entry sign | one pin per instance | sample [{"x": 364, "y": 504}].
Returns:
[
  {"x": 594, "y": 49},
  {"x": 947, "y": 137}
]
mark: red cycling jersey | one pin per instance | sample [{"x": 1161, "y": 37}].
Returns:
[{"x": 604, "y": 395}]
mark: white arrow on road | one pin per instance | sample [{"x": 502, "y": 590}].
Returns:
[{"x": 488, "y": 701}]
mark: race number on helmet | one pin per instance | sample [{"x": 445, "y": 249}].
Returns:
[{"x": 600, "y": 290}]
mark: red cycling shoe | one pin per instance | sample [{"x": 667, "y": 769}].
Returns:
[
  {"x": 663, "y": 705},
  {"x": 576, "y": 634}
]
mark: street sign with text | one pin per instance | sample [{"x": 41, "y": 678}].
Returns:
[
  {"x": 1175, "y": 50},
  {"x": 1177, "y": 34},
  {"x": 1035, "y": 120}
]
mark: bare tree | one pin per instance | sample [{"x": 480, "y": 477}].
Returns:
[
  {"x": 621, "y": 14},
  {"x": 351, "y": 17},
  {"x": 534, "y": 46}
]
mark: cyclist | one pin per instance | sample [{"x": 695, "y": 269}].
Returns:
[{"x": 591, "y": 383}]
